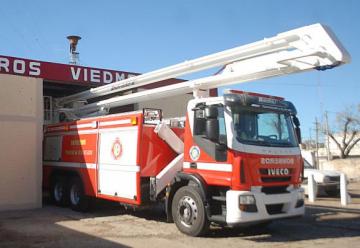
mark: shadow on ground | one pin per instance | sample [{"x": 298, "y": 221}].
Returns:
[
  {"x": 318, "y": 223},
  {"x": 45, "y": 227},
  {"x": 64, "y": 238}
]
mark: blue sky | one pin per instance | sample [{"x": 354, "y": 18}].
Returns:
[{"x": 140, "y": 36}]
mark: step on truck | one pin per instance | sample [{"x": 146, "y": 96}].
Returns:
[{"x": 231, "y": 160}]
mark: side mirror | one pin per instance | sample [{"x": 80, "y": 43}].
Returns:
[
  {"x": 298, "y": 134},
  {"x": 212, "y": 123},
  {"x": 296, "y": 121},
  {"x": 212, "y": 129},
  {"x": 221, "y": 147},
  {"x": 297, "y": 128},
  {"x": 211, "y": 112}
]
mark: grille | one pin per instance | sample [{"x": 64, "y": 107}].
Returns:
[
  {"x": 266, "y": 178},
  {"x": 274, "y": 190},
  {"x": 275, "y": 179},
  {"x": 274, "y": 208},
  {"x": 264, "y": 171}
]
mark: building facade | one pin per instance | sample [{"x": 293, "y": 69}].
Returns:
[{"x": 28, "y": 90}]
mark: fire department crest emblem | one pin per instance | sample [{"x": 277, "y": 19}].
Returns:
[
  {"x": 116, "y": 149},
  {"x": 194, "y": 153}
]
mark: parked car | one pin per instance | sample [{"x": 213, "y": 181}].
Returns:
[{"x": 326, "y": 181}]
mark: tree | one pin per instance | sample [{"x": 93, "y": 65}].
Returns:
[{"x": 348, "y": 130}]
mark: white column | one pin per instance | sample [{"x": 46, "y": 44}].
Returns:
[
  {"x": 311, "y": 188},
  {"x": 344, "y": 196}
]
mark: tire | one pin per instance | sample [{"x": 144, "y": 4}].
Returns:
[
  {"x": 78, "y": 200},
  {"x": 60, "y": 191},
  {"x": 188, "y": 211},
  {"x": 332, "y": 192}
]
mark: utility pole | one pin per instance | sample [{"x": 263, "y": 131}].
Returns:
[
  {"x": 327, "y": 136},
  {"x": 317, "y": 142}
]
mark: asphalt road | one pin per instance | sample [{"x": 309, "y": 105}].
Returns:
[{"x": 326, "y": 224}]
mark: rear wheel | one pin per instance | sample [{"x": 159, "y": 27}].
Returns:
[
  {"x": 60, "y": 191},
  {"x": 78, "y": 200},
  {"x": 188, "y": 211}
]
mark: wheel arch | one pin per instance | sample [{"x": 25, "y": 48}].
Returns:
[
  {"x": 183, "y": 179},
  {"x": 62, "y": 172},
  {"x": 68, "y": 174}
]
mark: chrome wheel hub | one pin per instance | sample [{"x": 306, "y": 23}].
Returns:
[{"x": 187, "y": 211}]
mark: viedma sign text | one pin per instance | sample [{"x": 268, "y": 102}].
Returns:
[{"x": 62, "y": 73}]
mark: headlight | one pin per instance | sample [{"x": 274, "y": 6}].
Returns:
[
  {"x": 247, "y": 203},
  {"x": 246, "y": 200}
]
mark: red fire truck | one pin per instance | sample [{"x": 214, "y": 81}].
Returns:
[{"x": 232, "y": 159}]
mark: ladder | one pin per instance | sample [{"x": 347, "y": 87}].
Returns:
[{"x": 312, "y": 47}]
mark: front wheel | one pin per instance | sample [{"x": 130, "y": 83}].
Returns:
[
  {"x": 78, "y": 200},
  {"x": 188, "y": 211}
]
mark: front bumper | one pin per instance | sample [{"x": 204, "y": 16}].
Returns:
[{"x": 269, "y": 206}]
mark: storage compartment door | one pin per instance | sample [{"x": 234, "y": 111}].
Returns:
[{"x": 117, "y": 168}]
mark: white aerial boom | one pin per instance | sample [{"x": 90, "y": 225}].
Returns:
[{"x": 302, "y": 49}]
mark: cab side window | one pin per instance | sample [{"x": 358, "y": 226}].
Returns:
[{"x": 199, "y": 122}]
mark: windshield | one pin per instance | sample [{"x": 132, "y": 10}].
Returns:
[{"x": 263, "y": 127}]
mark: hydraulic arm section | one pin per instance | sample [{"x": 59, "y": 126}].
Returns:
[{"x": 311, "y": 47}]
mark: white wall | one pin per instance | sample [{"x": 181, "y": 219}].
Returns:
[
  {"x": 20, "y": 142},
  {"x": 349, "y": 166},
  {"x": 309, "y": 156}
]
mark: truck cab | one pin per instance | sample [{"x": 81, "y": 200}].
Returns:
[{"x": 242, "y": 155}]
